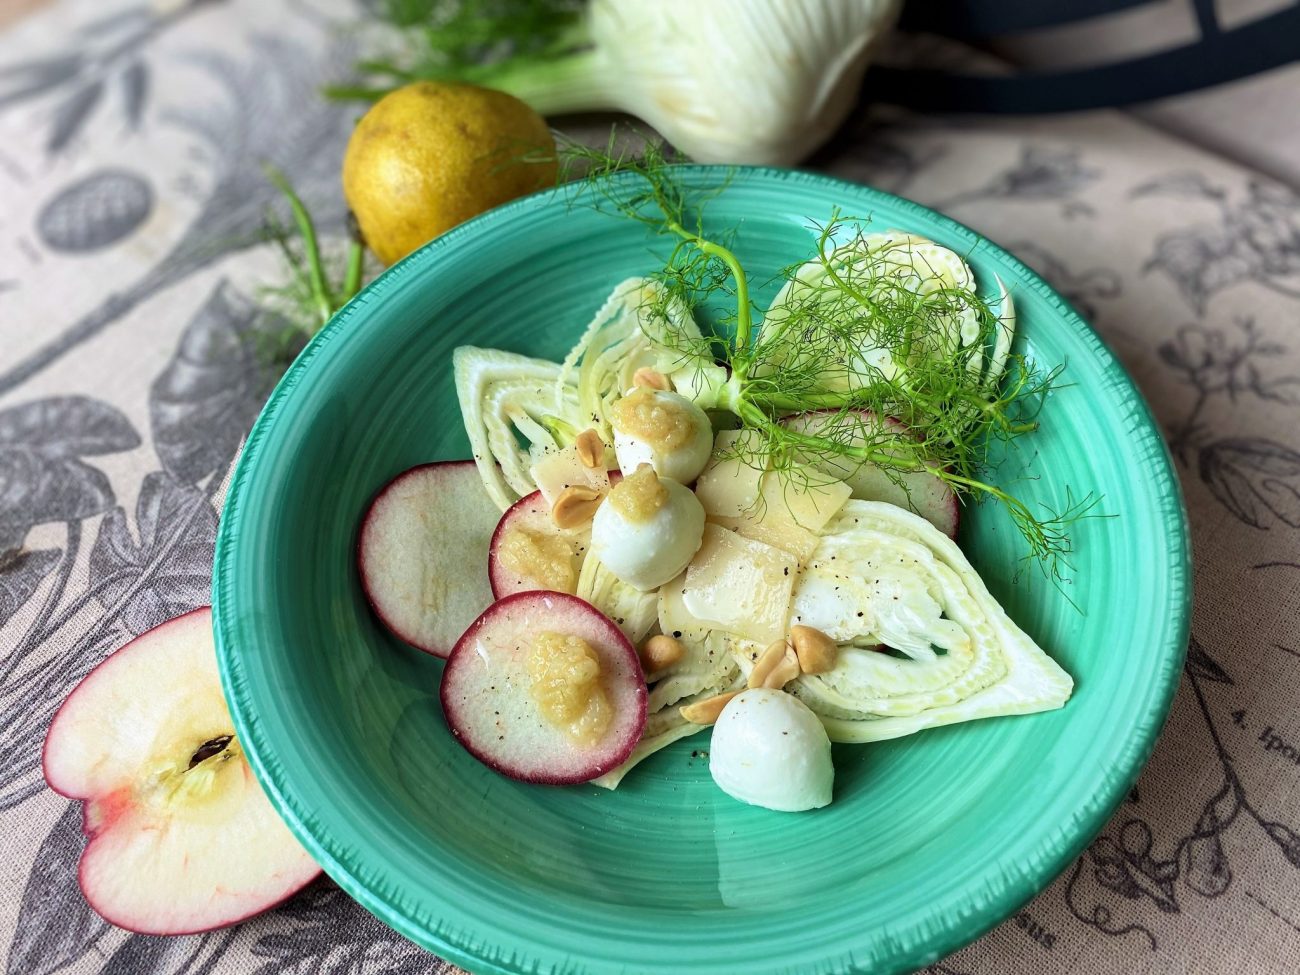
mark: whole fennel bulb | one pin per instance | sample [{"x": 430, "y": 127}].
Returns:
[{"x": 734, "y": 81}]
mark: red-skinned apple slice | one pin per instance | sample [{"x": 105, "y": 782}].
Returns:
[
  {"x": 182, "y": 838},
  {"x": 542, "y": 555},
  {"x": 423, "y": 551},
  {"x": 917, "y": 491},
  {"x": 530, "y": 552},
  {"x": 488, "y": 691}
]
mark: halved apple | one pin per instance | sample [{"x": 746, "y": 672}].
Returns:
[{"x": 182, "y": 838}]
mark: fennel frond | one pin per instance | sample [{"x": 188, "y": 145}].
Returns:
[{"x": 866, "y": 329}]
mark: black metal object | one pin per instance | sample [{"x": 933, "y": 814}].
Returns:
[
  {"x": 1217, "y": 56},
  {"x": 989, "y": 18}
]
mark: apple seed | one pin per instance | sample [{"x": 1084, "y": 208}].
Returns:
[{"x": 213, "y": 746}]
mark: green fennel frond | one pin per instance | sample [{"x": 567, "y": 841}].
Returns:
[
  {"x": 473, "y": 41},
  {"x": 865, "y": 329}
]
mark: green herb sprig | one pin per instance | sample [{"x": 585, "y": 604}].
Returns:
[
  {"x": 310, "y": 297},
  {"x": 854, "y": 342},
  {"x": 497, "y": 43}
]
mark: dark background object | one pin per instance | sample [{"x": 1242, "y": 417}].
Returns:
[{"x": 1218, "y": 55}]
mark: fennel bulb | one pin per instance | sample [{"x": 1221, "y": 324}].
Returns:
[{"x": 728, "y": 81}]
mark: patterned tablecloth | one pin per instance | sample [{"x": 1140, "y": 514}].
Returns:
[{"x": 131, "y": 281}]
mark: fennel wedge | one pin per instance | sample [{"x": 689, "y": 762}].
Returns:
[
  {"x": 884, "y": 576},
  {"x": 640, "y": 325},
  {"x": 502, "y": 396}
]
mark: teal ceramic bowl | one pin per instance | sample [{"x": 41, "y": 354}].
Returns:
[{"x": 930, "y": 840}]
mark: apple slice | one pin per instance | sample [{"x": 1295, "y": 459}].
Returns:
[
  {"x": 182, "y": 838},
  {"x": 530, "y": 552},
  {"x": 544, "y": 688},
  {"x": 917, "y": 491},
  {"x": 423, "y": 550}
]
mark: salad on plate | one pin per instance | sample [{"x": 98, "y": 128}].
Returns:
[{"x": 742, "y": 520}]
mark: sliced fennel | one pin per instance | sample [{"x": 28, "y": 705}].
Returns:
[
  {"x": 637, "y": 326},
  {"x": 505, "y": 397},
  {"x": 663, "y": 727},
  {"x": 665, "y": 734},
  {"x": 502, "y": 394},
  {"x": 635, "y": 612},
  {"x": 708, "y": 661},
  {"x": 712, "y": 666},
  {"x": 838, "y": 286},
  {"x": 996, "y": 359},
  {"x": 881, "y": 574},
  {"x": 707, "y": 669}
]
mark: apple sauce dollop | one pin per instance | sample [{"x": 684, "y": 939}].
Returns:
[
  {"x": 542, "y": 557},
  {"x": 565, "y": 674},
  {"x": 658, "y": 420},
  {"x": 638, "y": 497}
]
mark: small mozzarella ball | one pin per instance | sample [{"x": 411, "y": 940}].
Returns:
[
  {"x": 770, "y": 750},
  {"x": 647, "y": 529},
  {"x": 663, "y": 429}
]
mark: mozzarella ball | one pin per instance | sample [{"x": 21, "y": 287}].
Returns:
[
  {"x": 770, "y": 750},
  {"x": 647, "y": 529},
  {"x": 663, "y": 429}
]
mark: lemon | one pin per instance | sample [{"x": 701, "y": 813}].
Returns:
[{"x": 431, "y": 155}]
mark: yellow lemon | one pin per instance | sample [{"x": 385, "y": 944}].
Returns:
[{"x": 431, "y": 155}]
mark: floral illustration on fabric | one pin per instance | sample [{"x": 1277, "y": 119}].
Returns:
[{"x": 1253, "y": 238}]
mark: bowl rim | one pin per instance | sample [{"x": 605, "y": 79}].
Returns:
[{"x": 1039, "y": 867}]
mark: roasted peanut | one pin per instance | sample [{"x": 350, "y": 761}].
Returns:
[
  {"x": 660, "y": 651},
  {"x": 706, "y": 711},
  {"x": 786, "y": 670},
  {"x": 591, "y": 449},
  {"x": 653, "y": 378},
  {"x": 767, "y": 663},
  {"x": 816, "y": 651},
  {"x": 575, "y": 506}
]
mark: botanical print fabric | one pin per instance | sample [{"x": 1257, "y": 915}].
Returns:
[{"x": 132, "y": 302}]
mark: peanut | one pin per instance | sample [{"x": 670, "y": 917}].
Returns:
[
  {"x": 653, "y": 378},
  {"x": 575, "y": 506},
  {"x": 706, "y": 711},
  {"x": 776, "y": 663},
  {"x": 590, "y": 448},
  {"x": 786, "y": 670},
  {"x": 660, "y": 651},
  {"x": 816, "y": 651}
]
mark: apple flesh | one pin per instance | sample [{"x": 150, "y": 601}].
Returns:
[
  {"x": 554, "y": 554},
  {"x": 490, "y": 708},
  {"x": 423, "y": 553},
  {"x": 550, "y": 568},
  {"x": 182, "y": 838}
]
